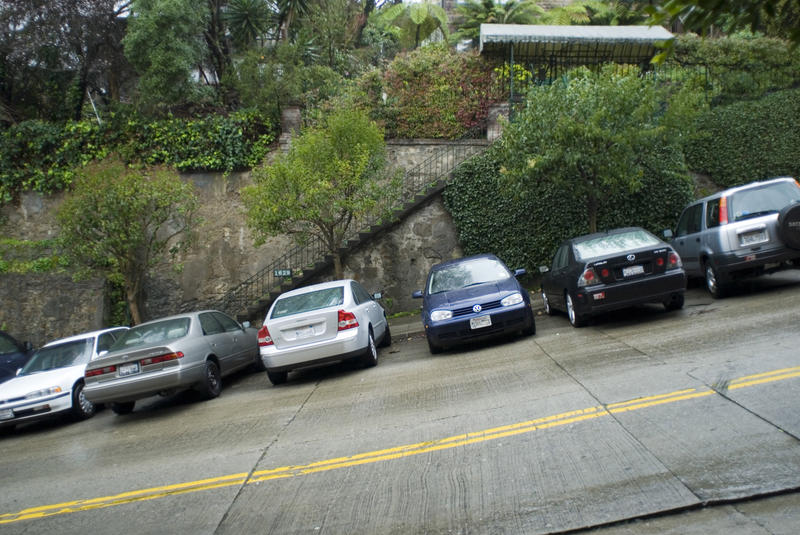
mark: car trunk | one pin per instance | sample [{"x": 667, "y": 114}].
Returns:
[
  {"x": 307, "y": 328},
  {"x": 632, "y": 265}
]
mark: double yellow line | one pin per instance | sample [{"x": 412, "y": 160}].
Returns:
[{"x": 397, "y": 452}]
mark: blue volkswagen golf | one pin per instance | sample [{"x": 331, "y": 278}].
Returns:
[{"x": 472, "y": 298}]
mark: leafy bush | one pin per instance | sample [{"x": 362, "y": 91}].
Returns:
[
  {"x": 742, "y": 65},
  {"x": 526, "y": 230},
  {"x": 749, "y": 140},
  {"x": 27, "y": 256},
  {"x": 43, "y": 157}
]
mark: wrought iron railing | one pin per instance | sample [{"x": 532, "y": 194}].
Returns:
[{"x": 304, "y": 261}]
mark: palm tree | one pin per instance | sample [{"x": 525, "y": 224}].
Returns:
[
  {"x": 476, "y": 12},
  {"x": 416, "y": 22},
  {"x": 249, "y": 20}
]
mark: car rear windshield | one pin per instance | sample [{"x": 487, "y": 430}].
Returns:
[
  {"x": 153, "y": 333},
  {"x": 468, "y": 273},
  {"x": 59, "y": 356},
  {"x": 766, "y": 199},
  {"x": 613, "y": 244},
  {"x": 306, "y": 302}
]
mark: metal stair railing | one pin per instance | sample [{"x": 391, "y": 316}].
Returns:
[{"x": 304, "y": 261}]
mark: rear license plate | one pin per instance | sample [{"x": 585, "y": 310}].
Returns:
[
  {"x": 749, "y": 238},
  {"x": 480, "y": 322},
  {"x": 630, "y": 271},
  {"x": 6, "y": 414},
  {"x": 304, "y": 332},
  {"x": 129, "y": 369}
]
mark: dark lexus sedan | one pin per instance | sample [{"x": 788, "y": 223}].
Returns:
[
  {"x": 471, "y": 298},
  {"x": 611, "y": 270}
]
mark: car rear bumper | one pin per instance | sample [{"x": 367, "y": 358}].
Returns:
[
  {"x": 753, "y": 263},
  {"x": 144, "y": 385},
  {"x": 652, "y": 289},
  {"x": 346, "y": 344},
  {"x": 457, "y": 330},
  {"x": 28, "y": 411}
]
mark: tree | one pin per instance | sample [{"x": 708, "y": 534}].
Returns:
[
  {"x": 473, "y": 13},
  {"x": 417, "y": 21},
  {"x": 249, "y": 20},
  {"x": 702, "y": 15},
  {"x": 124, "y": 221},
  {"x": 165, "y": 44},
  {"x": 585, "y": 133},
  {"x": 331, "y": 178}
]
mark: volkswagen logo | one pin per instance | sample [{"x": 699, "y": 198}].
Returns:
[
  {"x": 631, "y": 257},
  {"x": 476, "y": 309}
]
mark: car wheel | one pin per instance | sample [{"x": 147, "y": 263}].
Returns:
[
  {"x": 574, "y": 318},
  {"x": 82, "y": 408},
  {"x": 277, "y": 378},
  {"x": 258, "y": 364},
  {"x": 212, "y": 381},
  {"x": 713, "y": 283},
  {"x": 387, "y": 338},
  {"x": 433, "y": 347},
  {"x": 370, "y": 357},
  {"x": 123, "y": 407},
  {"x": 675, "y": 302},
  {"x": 789, "y": 225},
  {"x": 547, "y": 309}
]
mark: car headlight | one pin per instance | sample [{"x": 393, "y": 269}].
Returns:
[
  {"x": 43, "y": 392},
  {"x": 513, "y": 299},
  {"x": 439, "y": 315}
]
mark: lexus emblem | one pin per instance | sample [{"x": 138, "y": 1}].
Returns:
[
  {"x": 476, "y": 309},
  {"x": 631, "y": 257}
]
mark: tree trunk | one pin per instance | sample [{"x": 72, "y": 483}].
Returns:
[
  {"x": 591, "y": 212},
  {"x": 337, "y": 266},
  {"x": 133, "y": 296}
]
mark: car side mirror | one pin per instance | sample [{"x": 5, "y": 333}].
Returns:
[
  {"x": 377, "y": 295},
  {"x": 17, "y": 372},
  {"x": 668, "y": 234},
  {"x": 27, "y": 346},
  {"x": 417, "y": 295},
  {"x": 103, "y": 353},
  {"x": 245, "y": 325},
  {"x": 543, "y": 269},
  {"x": 520, "y": 272}
]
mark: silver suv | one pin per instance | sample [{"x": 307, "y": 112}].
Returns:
[{"x": 744, "y": 231}]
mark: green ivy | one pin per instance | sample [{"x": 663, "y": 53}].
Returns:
[
  {"x": 31, "y": 256},
  {"x": 525, "y": 230},
  {"x": 749, "y": 140},
  {"x": 43, "y": 157}
]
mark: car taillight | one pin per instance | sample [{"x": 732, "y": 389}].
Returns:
[
  {"x": 659, "y": 261},
  {"x": 723, "y": 211},
  {"x": 588, "y": 277},
  {"x": 347, "y": 320},
  {"x": 100, "y": 371},
  {"x": 264, "y": 338},
  {"x": 605, "y": 273},
  {"x": 674, "y": 260},
  {"x": 161, "y": 358}
]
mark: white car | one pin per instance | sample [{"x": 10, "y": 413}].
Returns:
[
  {"x": 319, "y": 324},
  {"x": 52, "y": 380}
]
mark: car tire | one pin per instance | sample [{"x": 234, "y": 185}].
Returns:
[
  {"x": 675, "y": 302},
  {"x": 547, "y": 308},
  {"x": 789, "y": 225},
  {"x": 82, "y": 408},
  {"x": 123, "y": 407},
  {"x": 258, "y": 364},
  {"x": 574, "y": 318},
  {"x": 713, "y": 283},
  {"x": 387, "y": 338},
  {"x": 370, "y": 357},
  {"x": 434, "y": 349},
  {"x": 277, "y": 378},
  {"x": 211, "y": 385}
]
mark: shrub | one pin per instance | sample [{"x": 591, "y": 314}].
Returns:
[{"x": 749, "y": 140}]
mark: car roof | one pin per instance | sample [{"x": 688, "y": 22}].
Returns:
[
  {"x": 82, "y": 336},
  {"x": 455, "y": 261},
  {"x": 611, "y": 232},
  {"x": 314, "y": 287},
  {"x": 731, "y": 191}
]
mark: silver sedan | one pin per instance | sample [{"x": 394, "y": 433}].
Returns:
[
  {"x": 164, "y": 356},
  {"x": 323, "y": 323}
]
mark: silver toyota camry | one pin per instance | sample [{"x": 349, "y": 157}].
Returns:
[
  {"x": 164, "y": 356},
  {"x": 319, "y": 324}
]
